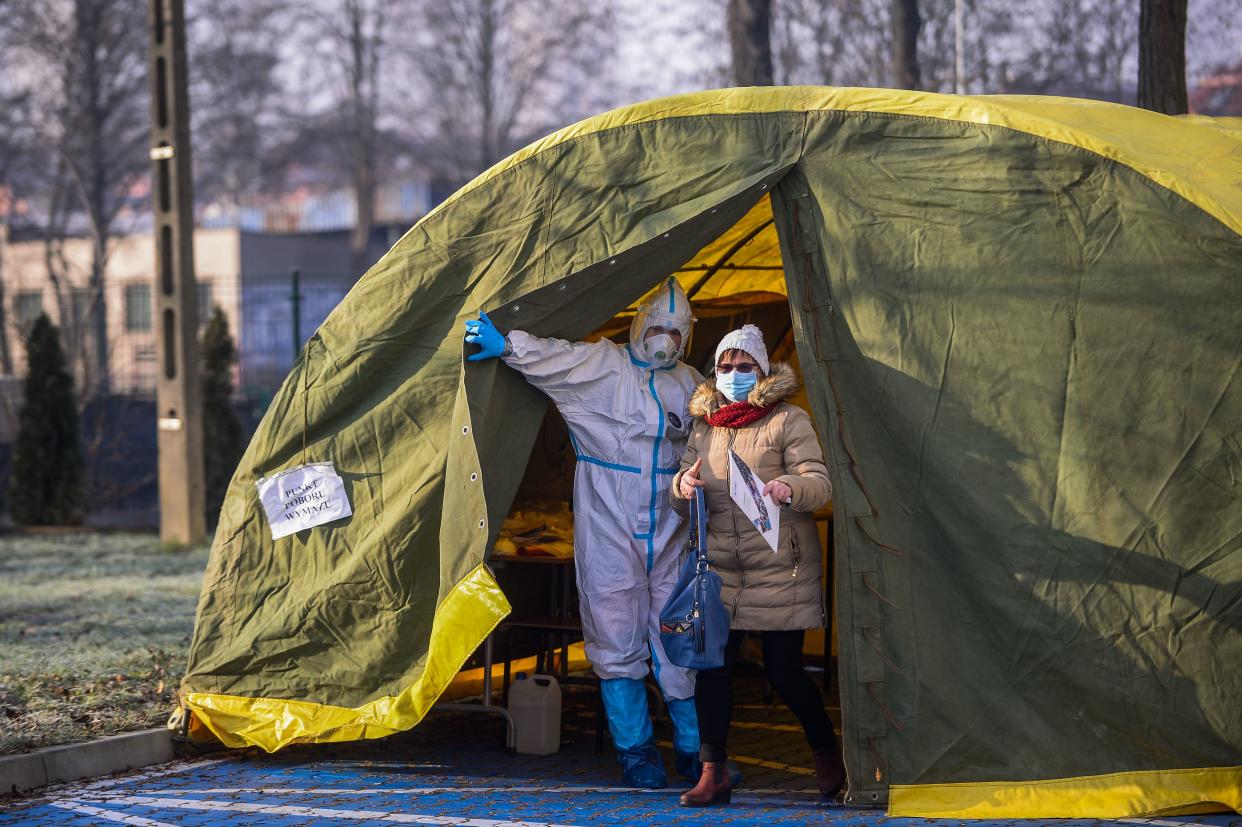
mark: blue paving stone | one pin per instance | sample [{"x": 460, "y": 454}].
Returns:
[{"x": 454, "y": 766}]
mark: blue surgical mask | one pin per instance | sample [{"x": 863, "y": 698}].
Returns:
[{"x": 735, "y": 386}]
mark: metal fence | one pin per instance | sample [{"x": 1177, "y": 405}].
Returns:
[
  {"x": 270, "y": 316},
  {"x": 278, "y": 315}
]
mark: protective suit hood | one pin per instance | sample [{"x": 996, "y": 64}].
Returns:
[{"x": 668, "y": 308}]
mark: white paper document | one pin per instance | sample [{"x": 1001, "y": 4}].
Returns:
[
  {"x": 302, "y": 498},
  {"x": 745, "y": 488}
]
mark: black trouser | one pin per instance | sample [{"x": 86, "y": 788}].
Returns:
[{"x": 782, "y": 661}]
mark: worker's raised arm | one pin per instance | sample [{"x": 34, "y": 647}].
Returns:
[{"x": 563, "y": 370}]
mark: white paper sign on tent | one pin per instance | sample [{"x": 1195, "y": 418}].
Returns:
[
  {"x": 303, "y": 497},
  {"x": 746, "y": 490}
]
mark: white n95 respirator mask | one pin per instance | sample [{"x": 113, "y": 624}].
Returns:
[{"x": 660, "y": 350}]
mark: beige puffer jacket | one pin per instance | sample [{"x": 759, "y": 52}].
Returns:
[{"x": 763, "y": 590}]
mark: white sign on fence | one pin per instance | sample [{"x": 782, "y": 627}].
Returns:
[{"x": 302, "y": 498}]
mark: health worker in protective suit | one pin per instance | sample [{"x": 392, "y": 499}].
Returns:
[{"x": 627, "y": 409}]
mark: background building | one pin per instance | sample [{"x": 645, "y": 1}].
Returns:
[{"x": 244, "y": 260}]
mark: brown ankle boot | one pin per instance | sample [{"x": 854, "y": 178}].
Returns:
[
  {"x": 829, "y": 772},
  {"x": 714, "y": 787}
]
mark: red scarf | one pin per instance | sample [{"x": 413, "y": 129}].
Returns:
[{"x": 738, "y": 414}]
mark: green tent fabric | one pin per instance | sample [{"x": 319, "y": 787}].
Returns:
[{"x": 1016, "y": 319}]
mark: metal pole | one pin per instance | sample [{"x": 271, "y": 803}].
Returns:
[
  {"x": 959, "y": 47},
  {"x": 295, "y": 298},
  {"x": 181, "y": 486}
]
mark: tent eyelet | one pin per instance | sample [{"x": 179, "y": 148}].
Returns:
[
  {"x": 560, "y": 286},
  {"x": 480, "y": 523},
  {"x": 474, "y": 477},
  {"x": 517, "y": 308},
  {"x": 666, "y": 235},
  {"x": 614, "y": 261},
  {"x": 763, "y": 187},
  {"x": 465, "y": 429}
]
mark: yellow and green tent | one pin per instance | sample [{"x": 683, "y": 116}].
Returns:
[{"x": 1018, "y": 322}]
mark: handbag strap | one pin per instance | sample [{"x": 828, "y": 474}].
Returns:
[{"x": 698, "y": 528}]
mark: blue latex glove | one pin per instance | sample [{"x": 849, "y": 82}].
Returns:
[{"x": 483, "y": 333}]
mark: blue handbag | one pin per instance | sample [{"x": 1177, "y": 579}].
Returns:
[{"x": 694, "y": 626}]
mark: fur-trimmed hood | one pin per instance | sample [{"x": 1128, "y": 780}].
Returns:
[{"x": 778, "y": 386}]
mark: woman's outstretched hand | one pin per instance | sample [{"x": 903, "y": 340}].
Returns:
[
  {"x": 778, "y": 491},
  {"x": 690, "y": 480}
]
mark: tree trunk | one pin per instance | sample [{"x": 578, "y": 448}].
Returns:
[
  {"x": 750, "y": 38},
  {"x": 6, "y": 359},
  {"x": 1162, "y": 56},
  {"x": 95, "y": 185},
  {"x": 98, "y": 315},
  {"x": 365, "y": 47},
  {"x": 55, "y": 264},
  {"x": 364, "y": 197},
  {"x": 906, "y": 25},
  {"x": 488, "y": 26}
]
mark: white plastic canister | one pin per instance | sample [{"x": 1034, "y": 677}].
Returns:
[{"x": 535, "y": 707}]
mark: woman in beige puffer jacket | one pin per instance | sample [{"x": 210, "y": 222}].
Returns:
[{"x": 778, "y": 594}]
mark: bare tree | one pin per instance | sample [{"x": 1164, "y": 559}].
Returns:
[
  {"x": 347, "y": 48},
  {"x": 58, "y": 199},
  {"x": 1080, "y": 48},
  {"x": 497, "y": 74},
  {"x": 750, "y": 41},
  {"x": 6, "y": 359},
  {"x": 838, "y": 42},
  {"x": 671, "y": 46},
  {"x": 84, "y": 66},
  {"x": 906, "y": 25},
  {"x": 1213, "y": 36},
  {"x": 906, "y": 43},
  {"x": 991, "y": 42},
  {"x": 12, "y": 146},
  {"x": 365, "y": 36},
  {"x": 1162, "y": 56},
  {"x": 237, "y": 97}
]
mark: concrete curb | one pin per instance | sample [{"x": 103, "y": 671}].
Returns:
[{"x": 71, "y": 762}]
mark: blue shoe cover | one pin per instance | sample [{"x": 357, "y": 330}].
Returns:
[
  {"x": 642, "y": 767},
  {"x": 685, "y": 737},
  {"x": 625, "y": 704},
  {"x": 685, "y": 726}
]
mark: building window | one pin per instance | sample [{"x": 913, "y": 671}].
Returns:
[
  {"x": 205, "y": 307},
  {"x": 137, "y": 307},
  {"x": 143, "y": 375},
  {"x": 27, "y": 306}
]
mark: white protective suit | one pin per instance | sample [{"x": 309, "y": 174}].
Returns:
[{"x": 628, "y": 421}]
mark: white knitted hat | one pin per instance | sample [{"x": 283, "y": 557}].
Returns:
[{"x": 749, "y": 340}]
